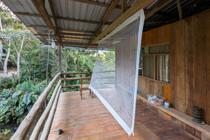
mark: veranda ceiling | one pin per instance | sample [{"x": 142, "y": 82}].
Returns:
[{"x": 78, "y": 22}]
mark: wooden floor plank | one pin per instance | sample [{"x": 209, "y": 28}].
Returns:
[{"x": 88, "y": 119}]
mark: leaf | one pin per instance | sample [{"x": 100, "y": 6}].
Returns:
[
  {"x": 16, "y": 94},
  {"x": 26, "y": 98}
]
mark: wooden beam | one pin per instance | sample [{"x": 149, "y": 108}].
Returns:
[
  {"x": 66, "y": 31},
  {"x": 74, "y": 39},
  {"x": 179, "y": 9},
  {"x": 106, "y": 15},
  {"x": 57, "y": 30},
  {"x": 26, "y": 14},
  {"x": 97, "y": 3},
  {"x": 40, "y": 6},
  {"x": 37, "y": 26},
  {"x": 76, "y": 34},
  {"x": 66, "y": 36},
  {"x": 77, "y": 31},
  {"x": 123, "y": 5},
  {"x": 161, "y": 4},
  {"x": 82, "y": 20},
  {"x": 62, "y": 18},
  {"x": 78, "y": 44},
  {"x": 140, "y": 4}
]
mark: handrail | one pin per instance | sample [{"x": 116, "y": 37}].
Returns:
[
  {"x": 48, "y": 123},
  {"x": 74, "y": 73},
  {"x": 27, "y": 129},
  {"x": 40, "y": 123},
  {"x": 25, "y": 125},
  {"x": 77, "y": 78}
]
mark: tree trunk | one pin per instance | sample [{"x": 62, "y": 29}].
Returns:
[
  {"x": 18, "y": 64},
  {"x": 18, "y": 56},
  {"x": 1, "y": 50},
  {"x": 47, "y": 65},
  {"x": 6, "y": 63},
  {"x": 1, "y": 26}
]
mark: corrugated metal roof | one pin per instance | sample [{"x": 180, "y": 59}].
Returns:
[
  {"x": 85, "y": 16},
  {"x": 63, "y": 8}
]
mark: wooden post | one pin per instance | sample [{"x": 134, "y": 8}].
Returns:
[
  {"x": 179, "y": 9},
  {"x": 59, "y": 57}
]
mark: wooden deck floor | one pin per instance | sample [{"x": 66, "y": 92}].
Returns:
[{"x": 88, "y": 119}]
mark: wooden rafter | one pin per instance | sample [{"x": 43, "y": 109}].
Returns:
[
  {"x": 76, "y": 31},
  {"x": 57, "y": 31},
  {"x": 65, "y": 36},
  {"x": 161, "y": 4},
  {"x": 97, "y": 3},
  {"x": 65, "y": 31},
  {"x": 76, "y": 34},
  {"x": 106, "y": 15},
  {"x": 77, "y": 44},
  {"x": 62, "y": 18},
  {"x": 123, "y": 5},
  {"x": 73, "y": 39},
  {"x": 81, "y": 20},
  {"x": 179, "y": 9},
  {"x": 40, "y": 6},
  {"x": 139, "y": 4}
]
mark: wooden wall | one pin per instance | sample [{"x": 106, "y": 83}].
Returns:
[
  {"x": 150, "y": 86},
  {"x": 189, "y": 41},
  {"x": 157, "y": 36}
]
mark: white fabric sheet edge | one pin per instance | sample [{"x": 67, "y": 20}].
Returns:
[
  {"x": 113, "y": 112},
  {"x": 138, "y": 14}
]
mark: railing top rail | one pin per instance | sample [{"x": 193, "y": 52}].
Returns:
[
  {"x": 76, "y": 78},
  {"x": 24, "y": 127},
  {"x": 74, "y": 73}
]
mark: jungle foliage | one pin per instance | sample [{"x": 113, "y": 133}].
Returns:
[{"x": 18, "y": 94}]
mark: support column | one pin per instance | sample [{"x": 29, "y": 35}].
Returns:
[{"x": 59, "y": 57}]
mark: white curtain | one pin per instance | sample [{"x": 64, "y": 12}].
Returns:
[{"x": 115, "y": 79}]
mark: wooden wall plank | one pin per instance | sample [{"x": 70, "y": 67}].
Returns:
[
  {"x": 189, "y": 62},
  {"x": 157, "y": 36}
]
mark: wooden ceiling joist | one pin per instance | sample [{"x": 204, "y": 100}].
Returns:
[
  {"x": 65, "y": 36},
  {"x": 161, "y": 4},
  {"x": 123, "y": 5},
  {"x": 62, "y": 18},
  {"x": 179, "y": 9},
  {"x": 77, "y": 44},
  {"x": 76, "y": 31},
  {"x": 26, "y": 14},
  {"x": 73, "y": 37},
  {"x": 106, "y": 15},
  {"x": 65, "y": 31},
  {"x": 76, "y": 34},
  {"x": 139, "y": 4},
  {"x": 40, "y": 6},
  {"x": 81, "y": 20},
  {"x": 57, "y": 30},
  {"x": 97, "y": 3}
]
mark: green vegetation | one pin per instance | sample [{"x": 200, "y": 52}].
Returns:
[{"x": 24, "y": 55}]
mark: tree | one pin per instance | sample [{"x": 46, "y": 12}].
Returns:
[{"x": 18, "y": 53}]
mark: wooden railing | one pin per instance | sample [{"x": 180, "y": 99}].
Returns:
[
  {"x": 37, "y": 123},
  {"x": 82, "y": 84},
  {"x": 74, "y": 76}
]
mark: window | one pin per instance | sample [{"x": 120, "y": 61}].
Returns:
[{"x": 155, "y": 62}]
